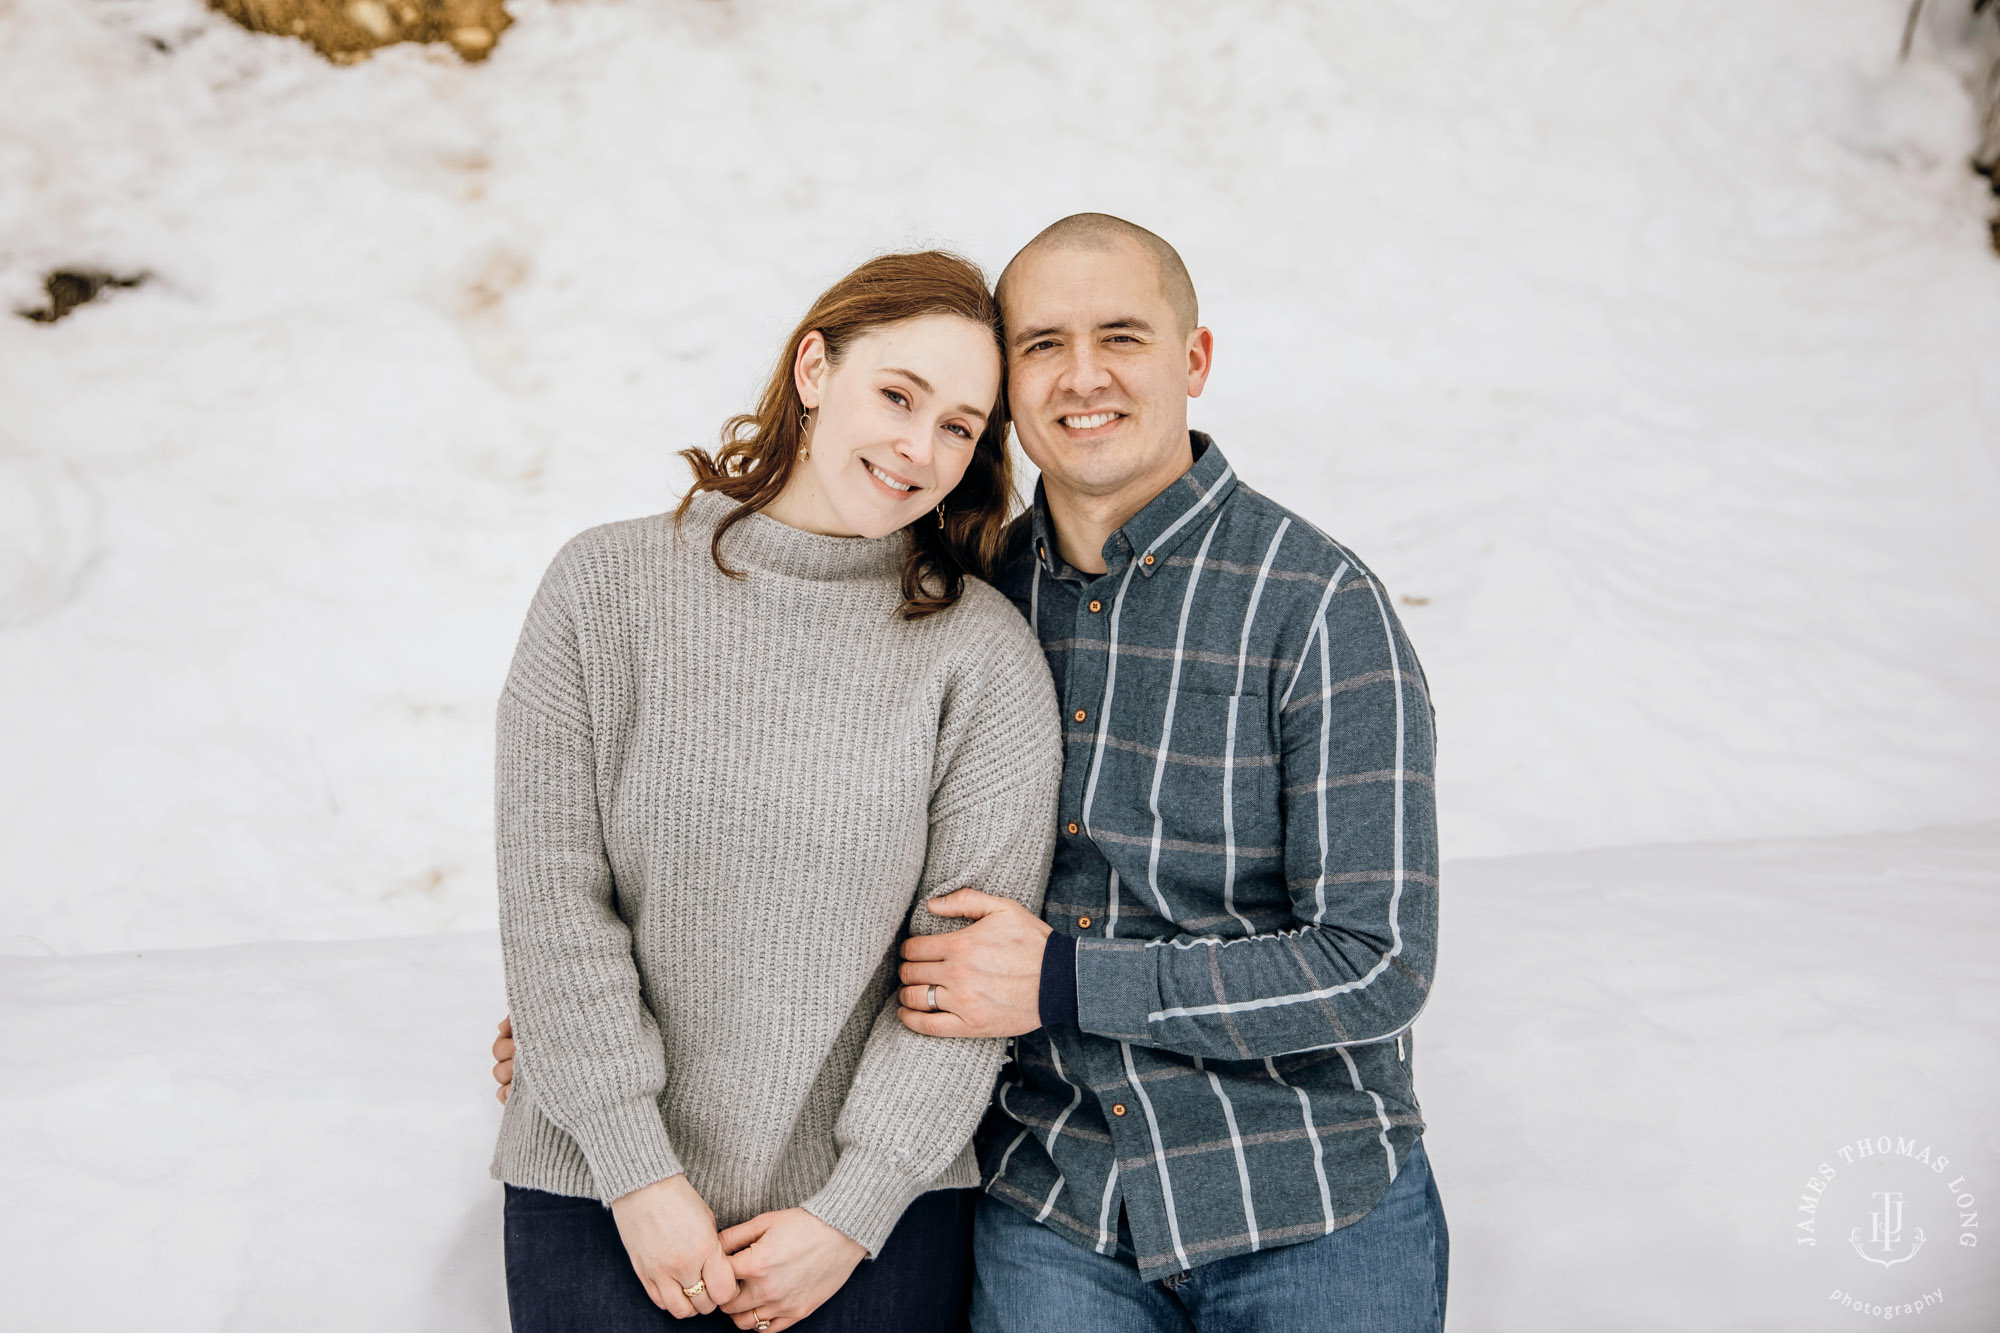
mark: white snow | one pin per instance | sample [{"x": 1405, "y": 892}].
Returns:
[
  {"x": 1645, "y": 350},
  {"x": 1637, "y": 1057},
  {"x": 1634, "y": 1060}
]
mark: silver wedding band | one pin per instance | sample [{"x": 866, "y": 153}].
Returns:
[{"x": 931, "y": 999}]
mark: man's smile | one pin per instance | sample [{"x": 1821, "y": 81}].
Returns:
[{"x": 1088, "y": 424}]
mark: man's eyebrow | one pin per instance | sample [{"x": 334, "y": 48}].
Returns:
[
  {"x": 1132, "y": 322},
  {"x": 910, "y": 375}
]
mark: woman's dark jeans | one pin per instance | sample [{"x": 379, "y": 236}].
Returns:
[{"x": 567, "y": 1272}]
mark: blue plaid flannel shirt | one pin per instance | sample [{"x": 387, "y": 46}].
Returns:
[{"x": 1247, "y": 859}]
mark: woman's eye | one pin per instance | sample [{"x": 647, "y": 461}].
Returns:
[
  {"x": 896, "y": 398},
  {"x": 963, "y": 433}
]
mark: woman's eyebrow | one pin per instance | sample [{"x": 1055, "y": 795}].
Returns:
[
  {"x": 924, "y": 384},
  {"x": 910, "y": 375}
]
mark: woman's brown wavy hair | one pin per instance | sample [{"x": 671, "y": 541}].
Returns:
[{"x": 759, "y": 449}]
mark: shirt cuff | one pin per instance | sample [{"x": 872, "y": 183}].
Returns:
[
  {"x": 1058, "y": 994},
  {"x": 1116, "y": 989}
]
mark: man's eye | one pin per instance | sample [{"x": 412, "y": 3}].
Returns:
[
  {"x": 895, "y": 398},
  {"x": 1036, "y": 347}
]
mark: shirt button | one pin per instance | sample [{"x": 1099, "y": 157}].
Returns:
[
  {"x": 1072, "y": 826},
  {"x": 1079, "y": 715},
  {"x": 1083, "y": 923},
  {"x": 1148, "y": 560},
  {"x": 1096, "y": 605},
  {"x": 1118, "y": 1109}
]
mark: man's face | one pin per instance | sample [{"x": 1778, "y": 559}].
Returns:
[{"x": 1099, "y": 369}]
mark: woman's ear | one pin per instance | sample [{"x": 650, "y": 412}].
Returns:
[{"x": 809, "y": 368}]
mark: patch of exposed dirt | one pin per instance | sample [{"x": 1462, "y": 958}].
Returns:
[
  {"x": 69, "y": 288},
  {"x": 349, "y": 31}
]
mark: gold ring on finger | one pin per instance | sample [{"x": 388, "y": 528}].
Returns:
[{"x": 700, "y": 1285}]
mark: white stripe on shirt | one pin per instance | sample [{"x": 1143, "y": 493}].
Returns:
[
  {"x": 1312, "y": 1136},
  {"x": 1236, "y": 1143},
  {"x": 1104, "y": 706},
  {"x": 1229, "y": 748},
  {"x": 1159, "y": 1154},
  {"x": 1167, "y": 722},
  {"x": 1381, "y": 1113}
]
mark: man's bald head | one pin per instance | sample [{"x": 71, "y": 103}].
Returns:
[{"x": 1101, "y": 231}]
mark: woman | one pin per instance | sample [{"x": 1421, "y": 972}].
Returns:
[{"x": 739, "y": 745}]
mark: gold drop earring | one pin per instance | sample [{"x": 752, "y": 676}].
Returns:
[
  {"x": 940, "y": 513},
  {"x": 805, "y": 437}
]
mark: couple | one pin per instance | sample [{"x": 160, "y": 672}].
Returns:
[{"x": 806, "y": 833}]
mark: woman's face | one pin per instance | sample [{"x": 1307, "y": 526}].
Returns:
[{"x": 894, "y": 424}]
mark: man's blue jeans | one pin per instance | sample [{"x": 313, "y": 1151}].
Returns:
[{"x": 1383, "y": 1274}]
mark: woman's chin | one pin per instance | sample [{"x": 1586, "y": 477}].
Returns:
[{"x": 877, "y": 521}]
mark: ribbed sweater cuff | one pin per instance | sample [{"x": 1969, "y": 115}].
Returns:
[
  {"x": 626, "y": 1147},
  {"x": 865, "y": 1198}
]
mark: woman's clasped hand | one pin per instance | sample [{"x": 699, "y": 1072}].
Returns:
[
  {"x": 769, "y": 1272},
  {"x": 787, "y": 1263},
  {"x": 669, "y": 1234}
]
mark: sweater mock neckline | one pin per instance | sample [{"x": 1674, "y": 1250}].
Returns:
[{"x": 761, "y": 542}]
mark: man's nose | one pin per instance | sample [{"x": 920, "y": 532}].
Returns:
[{"x": 1084, "y": 374}]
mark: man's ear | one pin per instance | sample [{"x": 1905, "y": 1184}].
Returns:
[
  {"x": 809, "y": 368},
  {"x": 1201, "y": 358}
]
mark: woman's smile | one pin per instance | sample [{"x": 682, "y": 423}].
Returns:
[{"x": 889, "y": 481}]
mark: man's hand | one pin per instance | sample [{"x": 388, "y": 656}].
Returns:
[
  {"x": 788, "y": 1262},
  {"x": 988, "y": 975},
  {"x": 503, "y": 1057},
  {"x": 669, "y": 1235}
]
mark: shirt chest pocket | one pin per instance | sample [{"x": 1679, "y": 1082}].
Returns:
[{"x": 1218, "y": 790}]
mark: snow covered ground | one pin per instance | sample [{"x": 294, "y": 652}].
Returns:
[
  {"x": 1646, "y": 350},
  {"x": 1635, "y": 1060}
]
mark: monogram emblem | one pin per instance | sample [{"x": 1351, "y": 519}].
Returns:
[{"x": 1886, "y": 1232}]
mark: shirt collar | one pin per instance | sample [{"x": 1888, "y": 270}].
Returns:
[{"x": 1167, "y": 520}]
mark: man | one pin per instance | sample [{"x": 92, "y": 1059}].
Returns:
[{"x": 1210, "y": 1120}]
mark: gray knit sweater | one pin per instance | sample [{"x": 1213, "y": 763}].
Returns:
[{"x": 719, "y": 805}]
